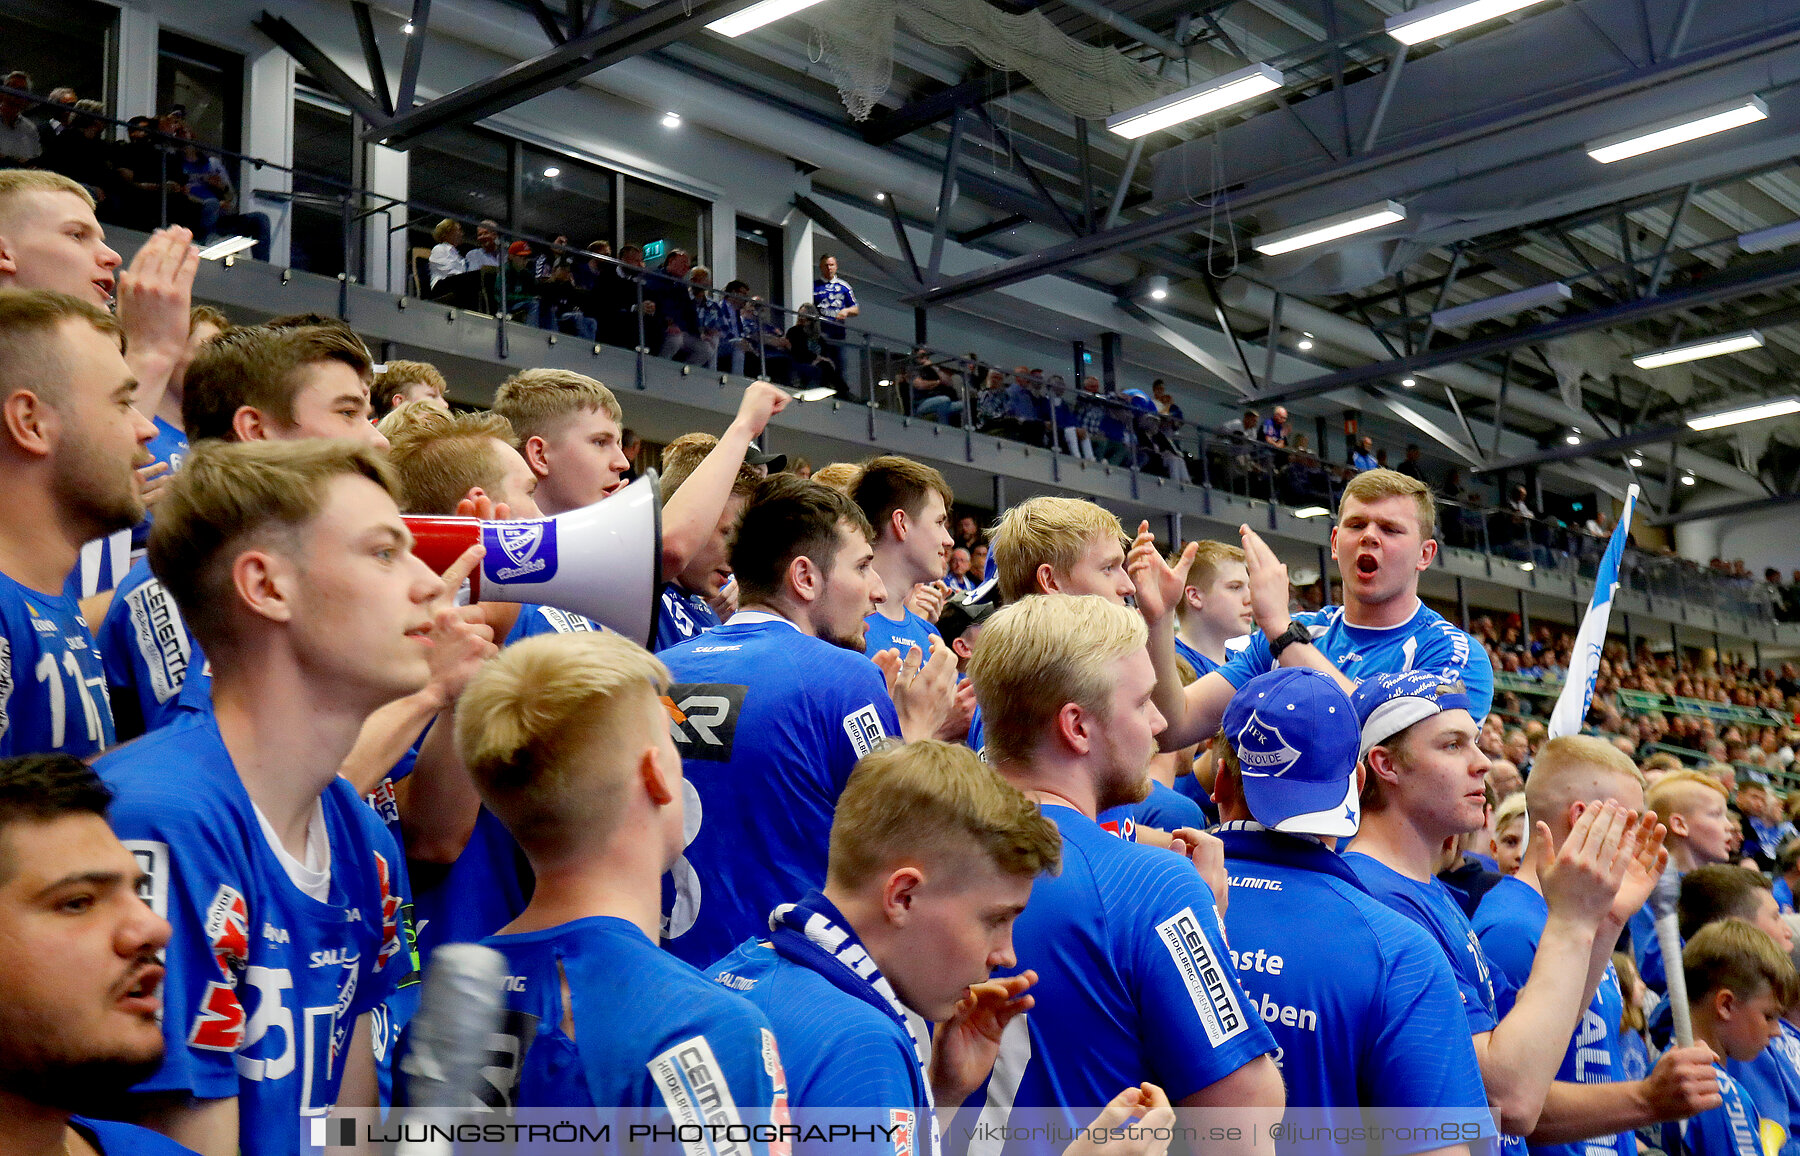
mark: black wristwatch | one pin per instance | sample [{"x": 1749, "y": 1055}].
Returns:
[{"x": 1296, "y": 632}]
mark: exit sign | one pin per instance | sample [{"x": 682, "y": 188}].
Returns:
[{"x": 654, "y": 249}]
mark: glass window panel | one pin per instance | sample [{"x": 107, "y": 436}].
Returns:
[
  {"x": 654, "y": 213},
  {"x": 759, "y": 249},
  {"x": 323, "y": 152},
  {"x": 208, "y": 82},
  {"x": 60, "y": 43},
  {"x": 564, "y": 196},
  {"x": 461, "y": 173}
]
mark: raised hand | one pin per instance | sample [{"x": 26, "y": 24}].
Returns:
[
  {"x": 153, "y": 482},
  {"x": 1582, "y": 882},
  {"x": 1268, "y": 583},
  {"x": 1160, "y": 587},
  {"x": 154, "y": 297},
  {"x": 761, "y": 402},
  {"x": 1146, "y": 1103},
  {"x": 1207, "y": 853},
  {"x": 924, "y": 692},
  {"x": 927, "y": 600},
  {"x": 1642, "y": 870},
  {"x": 461, "y": 639}
]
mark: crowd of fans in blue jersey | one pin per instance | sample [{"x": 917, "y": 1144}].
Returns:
[{"x": 904, "y": 832}]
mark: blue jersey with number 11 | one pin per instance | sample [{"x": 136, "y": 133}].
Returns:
[{"x": 52, "y": 690}]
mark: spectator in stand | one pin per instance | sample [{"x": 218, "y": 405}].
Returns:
[
  {"x": 1764, "y": 823},
  {"x": 834, "y": 299},
  {"x": 1275, "y": 428},
  {"x": 711, "y": 310},
  {"x": 521, "y": 297},
  {"x": 1694, "y": 809},
  {"x": 58, "y": 115},
  {"x": 1165, "y": 402},
  {"x": 925, "y": 388},
  {"x": 147, "y": 177},
  {"x": 79, "y": 974},
  {"x": 676, "y": 315},
  {"x": 908, "y": 505},
  {"x": 72, "y": 439},
  {"x": 738, "y": 353},
  {"x": 82, "y": 152},
  {"x": 486, "y": 253},
  {"x": 1364, "y": 457},
  {"x": 978, "y": 562},
  {"x": 958, "y": 576},
  {"x": 1304, "y": 482},
  {"x": 801, "y": 706},
  {"x": 1215, "y": 607},
  {"x": 402, "y": 381},
  {"x": 453, "y": 279},
  {"x": 20, "y": 143},
  {"x": 687, "y": 604},
  {"x": 214, "y": 201},
  {"x": 591, "y": 271},
  {"x": 1412, "y": 465},
  {"x": 809, "y": 352},
  {"x": 1103, "y": 417}
]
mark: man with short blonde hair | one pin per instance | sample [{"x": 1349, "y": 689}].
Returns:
[
  {"x": 1068, "y": 685},
  {"x": 568, "y": 742},
  {"x": 1591, "y": 1105},
  {"x": 1382, "y": 543},
  {"x": 1215, "y": 606},
  {"x": 402, "y": 381},
  {"x": 569, "y": 429},
  {"x": 443, "y": 458},
  {"x": 1694, "y": 807},
  {"x": 1049, "y": 545},
  {"x": 688, "y": 604}
]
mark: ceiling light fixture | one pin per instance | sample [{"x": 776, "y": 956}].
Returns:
[
  {"x": 553, "y": 172},
  {"x": 1434, "y": 21},
  {"x": 1157, "y": 286},
  {"x": 1679, "y": 130},
  {"x": 881, "y": 196},
  {"x": 671, "y": 120},
  {"x": 1770, "y": 239},
  {"x": 1409, "y": 382},
  {"x": 1330, "y": 228},
  {"x": 407, "y": 28},
  {"x": 757, "y": 15},
  {"x": 1305, "y": 343},
  {"x": 1311, "y": 512},
  {"x": 1634, "y": 461},
  {"x": 1687, "y": 479},
  {"x": 1780, "y": 407},
  {"x": 1573, "y": 439},
  {"x": 1697, "y": 350},
  {"x": 1505, "y": 305},
  {"x": 1207, "y": 96}
]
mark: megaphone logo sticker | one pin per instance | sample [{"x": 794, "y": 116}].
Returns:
[{"x": 520, "y": 551}]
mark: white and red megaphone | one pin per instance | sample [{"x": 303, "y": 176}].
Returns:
[{"x": 603, "y": 561}]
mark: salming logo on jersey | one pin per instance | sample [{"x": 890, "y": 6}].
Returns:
[
  {"x": 703, "y": 718},
  {"x": 1208, "y": 984},
  {"x": 693, "y": 1088}
]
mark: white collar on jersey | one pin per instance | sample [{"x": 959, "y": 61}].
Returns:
[
  {"x": 1418, "y": 605},
  {"x": 752, "y": 617}
]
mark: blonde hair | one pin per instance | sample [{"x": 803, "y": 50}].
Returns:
[
  {"x": 840, "y": 476},
  {"x": 15, "y": 181},
  {"x": 1046, "y": 530},
  {"x": 441, "y": 231},
  {"x": 549, "y": 731},
  {"x": 396, "y": 375},
  {"x": 1041, "y": 653},
  {"x": 1373, "y": 485},
  {"x": 1566, "y": 769},
  {"x": 228, "y": 495},
  {"x": 536, "y": 400},
  {"x": 1510, "y": 808},
  {"x": 1674, "y": 790},
  {"x": 1739, "y": 957},
  {"x": 937, "y": 803},
  {"x": 681, "y": 457},
  {"x": 206, "y": 315},
  {"x": 31, "y": 355},
  {"x": 1207, "y": 560},
  {"x": 441, "y": 456}
]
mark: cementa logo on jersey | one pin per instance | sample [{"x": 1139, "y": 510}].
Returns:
[
  {"x": 1262, "y": 751},
  {"x": 520, "y": 551}
]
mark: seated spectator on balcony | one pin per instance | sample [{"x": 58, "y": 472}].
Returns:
[
  {"x": 58, "y": 115},
  {"x": 677, "y": 319},
  {"x": 1275, "y": 428},
  {"x": 617, "y": 297},
  {"x": 522, "y": 302},
  {"x": 1364, "y": 458},
  {"x": 213, "y": 200},
  {"x": 81, "y": 151},
  {"x": 486, "y": 253},
  {"x": 556, "y": 257},
  {"x": 1103, "y": 418},
  {"x": 765, "y": 342},
  {"x": 808, "y": 352},
  {"x": 717, "y": 317},
  {"x": 146, "y": 174},
  {"x": 1029, "y": 407},
  {"x": 1165, "y": 403},
  {"x": 737, "y": 338},
  {"x": 924, "y": 387},
  {"x": 402, "y": 381},
  {"x": 1304, "y": 481},
  {"x": 993, "y": 409},
  {"x": 452, "y": 278},
  {"x": 564, "y": 305},
  {"x": 1411, "y": 465},
  {"x": 20, "y": 144},
  {"x": 1156, "y": 442},
  {"x": 589, "y": 272}
]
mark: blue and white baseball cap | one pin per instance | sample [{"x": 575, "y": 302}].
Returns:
[
  {"x": 1294, "y": 731},
  {"x": 1387, "y": 704}
]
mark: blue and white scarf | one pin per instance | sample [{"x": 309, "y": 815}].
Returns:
[{"x": 815, "y": 934}]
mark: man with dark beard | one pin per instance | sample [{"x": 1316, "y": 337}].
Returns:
[
  {"x": 79, "y": 978},
  {"x": 773, "y": 709}
]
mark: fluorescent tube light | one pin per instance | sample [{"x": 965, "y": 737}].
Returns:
[
  {"x": 812, "y": 393},
  {"x": 1780, "y": 407},
  {"x": 757, "y": 15},
  {"x": 1696, "y": 350},
  {"x": 1208, "y": 96},
  {"x": 1311, "y": 512},
  {"x": 1434, "y": 21},
  {"x": 1505, "y": 305},
  {"x": 1330, "y": 228},
  {"x": 1678, "y": 130},
  {"x": 1768, "y": 240},
  {"x": 226, "y": 247}
]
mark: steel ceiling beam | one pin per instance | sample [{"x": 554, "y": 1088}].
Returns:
[
  {"x": 1729, "y": 510},
  {"x": 1672, "y": 432},
  {"x": 1218, "y": 367},
  {"x": 312, "y": 58},
  {"x": 1189, "y": 215},
  {"x": 1758, "y": 277},
  {"x": 644, "y": 31},
  {"x": 929, "y": 110},
  {"x": 824, "y": 217}
]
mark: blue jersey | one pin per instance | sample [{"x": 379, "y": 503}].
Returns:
[
  {"x": 1426, "y": 641},
  {"x": 264, "y": 983},
  {"x": 52, "y": 687},
  {"x": 759, "y": 811},
  {"x": 1134, "y": 984},
  {"x": 100, "y": 567},
  {"x": 484, "y": 890},
  {"x": 111, "y": 1138},
  {"x": 1376, "y": 1020},
  {"x": 1772, "y": 1081},
  {"x": 1510, "y": 923},
  {"x": 841, "y": 1052},
  {"x": 1201, "y": 664},
  {"x": 147, "y": 648},
  {"x": 680, "y": 615},
  {"x": 1784, "y": 894},
  {"x": 833, "y": 297},
  {"x": 169, "y": 445},
  {"x": 977, "y": 739},
  {"x": 1431, "y": 905},
  {"x": 1164, "y": 808},
  {"x": 700, "y": 1055},
  {"x": 1731, "y": 1129},
  {"x": 884, "y": 633},
  {"x": 534, "y": 620}
]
